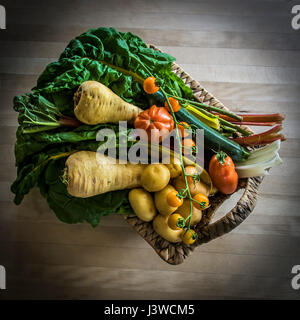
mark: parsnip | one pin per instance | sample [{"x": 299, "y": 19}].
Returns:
[
  {"x": 91, "y": 173},
  {"x": 94, "y": 103}
]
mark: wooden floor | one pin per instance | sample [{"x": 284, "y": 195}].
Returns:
[{"x": 247, "y": 55}]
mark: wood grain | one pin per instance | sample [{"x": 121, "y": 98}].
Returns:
[{"x": 248, "y": 56}]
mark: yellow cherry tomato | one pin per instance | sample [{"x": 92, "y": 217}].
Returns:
[
  {"x": 176, "y": 221},
  {"x": 189, "y": 236},
  {"x": 173, "y": 199},
  {"x": 203, "y": 201},
  {"x": 188, "y": 146}
]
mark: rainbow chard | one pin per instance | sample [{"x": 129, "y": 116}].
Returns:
[
  {"x": 37, "y": 114},
  {"x": 259, "y": 119},
  {"x": 261, "y": 138}
]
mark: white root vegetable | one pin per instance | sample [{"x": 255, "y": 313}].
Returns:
[
  {"x": 90, "y": 173},
  {"x": 95, "y": 103}
]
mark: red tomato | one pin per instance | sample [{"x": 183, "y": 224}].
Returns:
[
  {"x": 223, "y": 174},
  {"x": 156, "y": 120}
]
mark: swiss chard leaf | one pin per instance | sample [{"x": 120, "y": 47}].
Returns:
[{"x": 70, "y": 209}]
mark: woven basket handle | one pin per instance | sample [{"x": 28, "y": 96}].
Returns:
[{"x": 235, "y": 216}]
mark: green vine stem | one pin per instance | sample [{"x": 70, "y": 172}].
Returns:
[
  {"x": 166, "y": 96},
  {"x": 181, "y": 159}
]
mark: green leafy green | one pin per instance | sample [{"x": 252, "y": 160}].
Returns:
[
  {"x": 73, "y": 210},
  {"x": 106, "y": 55}
]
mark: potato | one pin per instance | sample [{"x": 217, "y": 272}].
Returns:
[
  {"x": 194, "y": 186},
  {"x": 160, "y": 225},
  {"x": 142, "y": 204},
  {"x": 184, "y": 210},
  {"x": 155, "y": 177},
  {"x": 161, "y": 203},
  {"x": 174, "y": 166}
]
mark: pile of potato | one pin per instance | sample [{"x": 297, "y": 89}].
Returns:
[{"x": 150, "y": 202}]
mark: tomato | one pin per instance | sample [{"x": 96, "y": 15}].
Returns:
[
  {"x": 204, "y": 202},
  {"x": 182, "y": 127},
  {"x": 189, "y": 236},
  {"x": 190, "y": 171},
  {"x": 223, "y": 174},
  {"x": 149, "y": 85},
  {"x": 156, "y": 120},
  {"x": 173, "y": 199},
  {"x": 174, "y": 104},
  {"x": 176, "y": 221},
  {"x": 188, "y": 145}
]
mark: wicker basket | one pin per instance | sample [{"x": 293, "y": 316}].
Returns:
[{"x": 175, "y": 253}]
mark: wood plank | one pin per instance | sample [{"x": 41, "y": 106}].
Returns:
[
  {"x": 243, "y": 74},
  {"x": 112, "y": 257},
  {"x": 183, "y": 38},
  {"x": 231, "y": 7},
  {"x": 252, "y": 92},
  {"x": 32, "y": 49},
  {"x": 176, "y": 283},
  {"x": 27, "y": 66},
  {"x": 125, "y": 19},
  {"x": 233, "y": 57},
  {"x": 23, "y": 290},
  {"x": 17, "y": 83}
]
